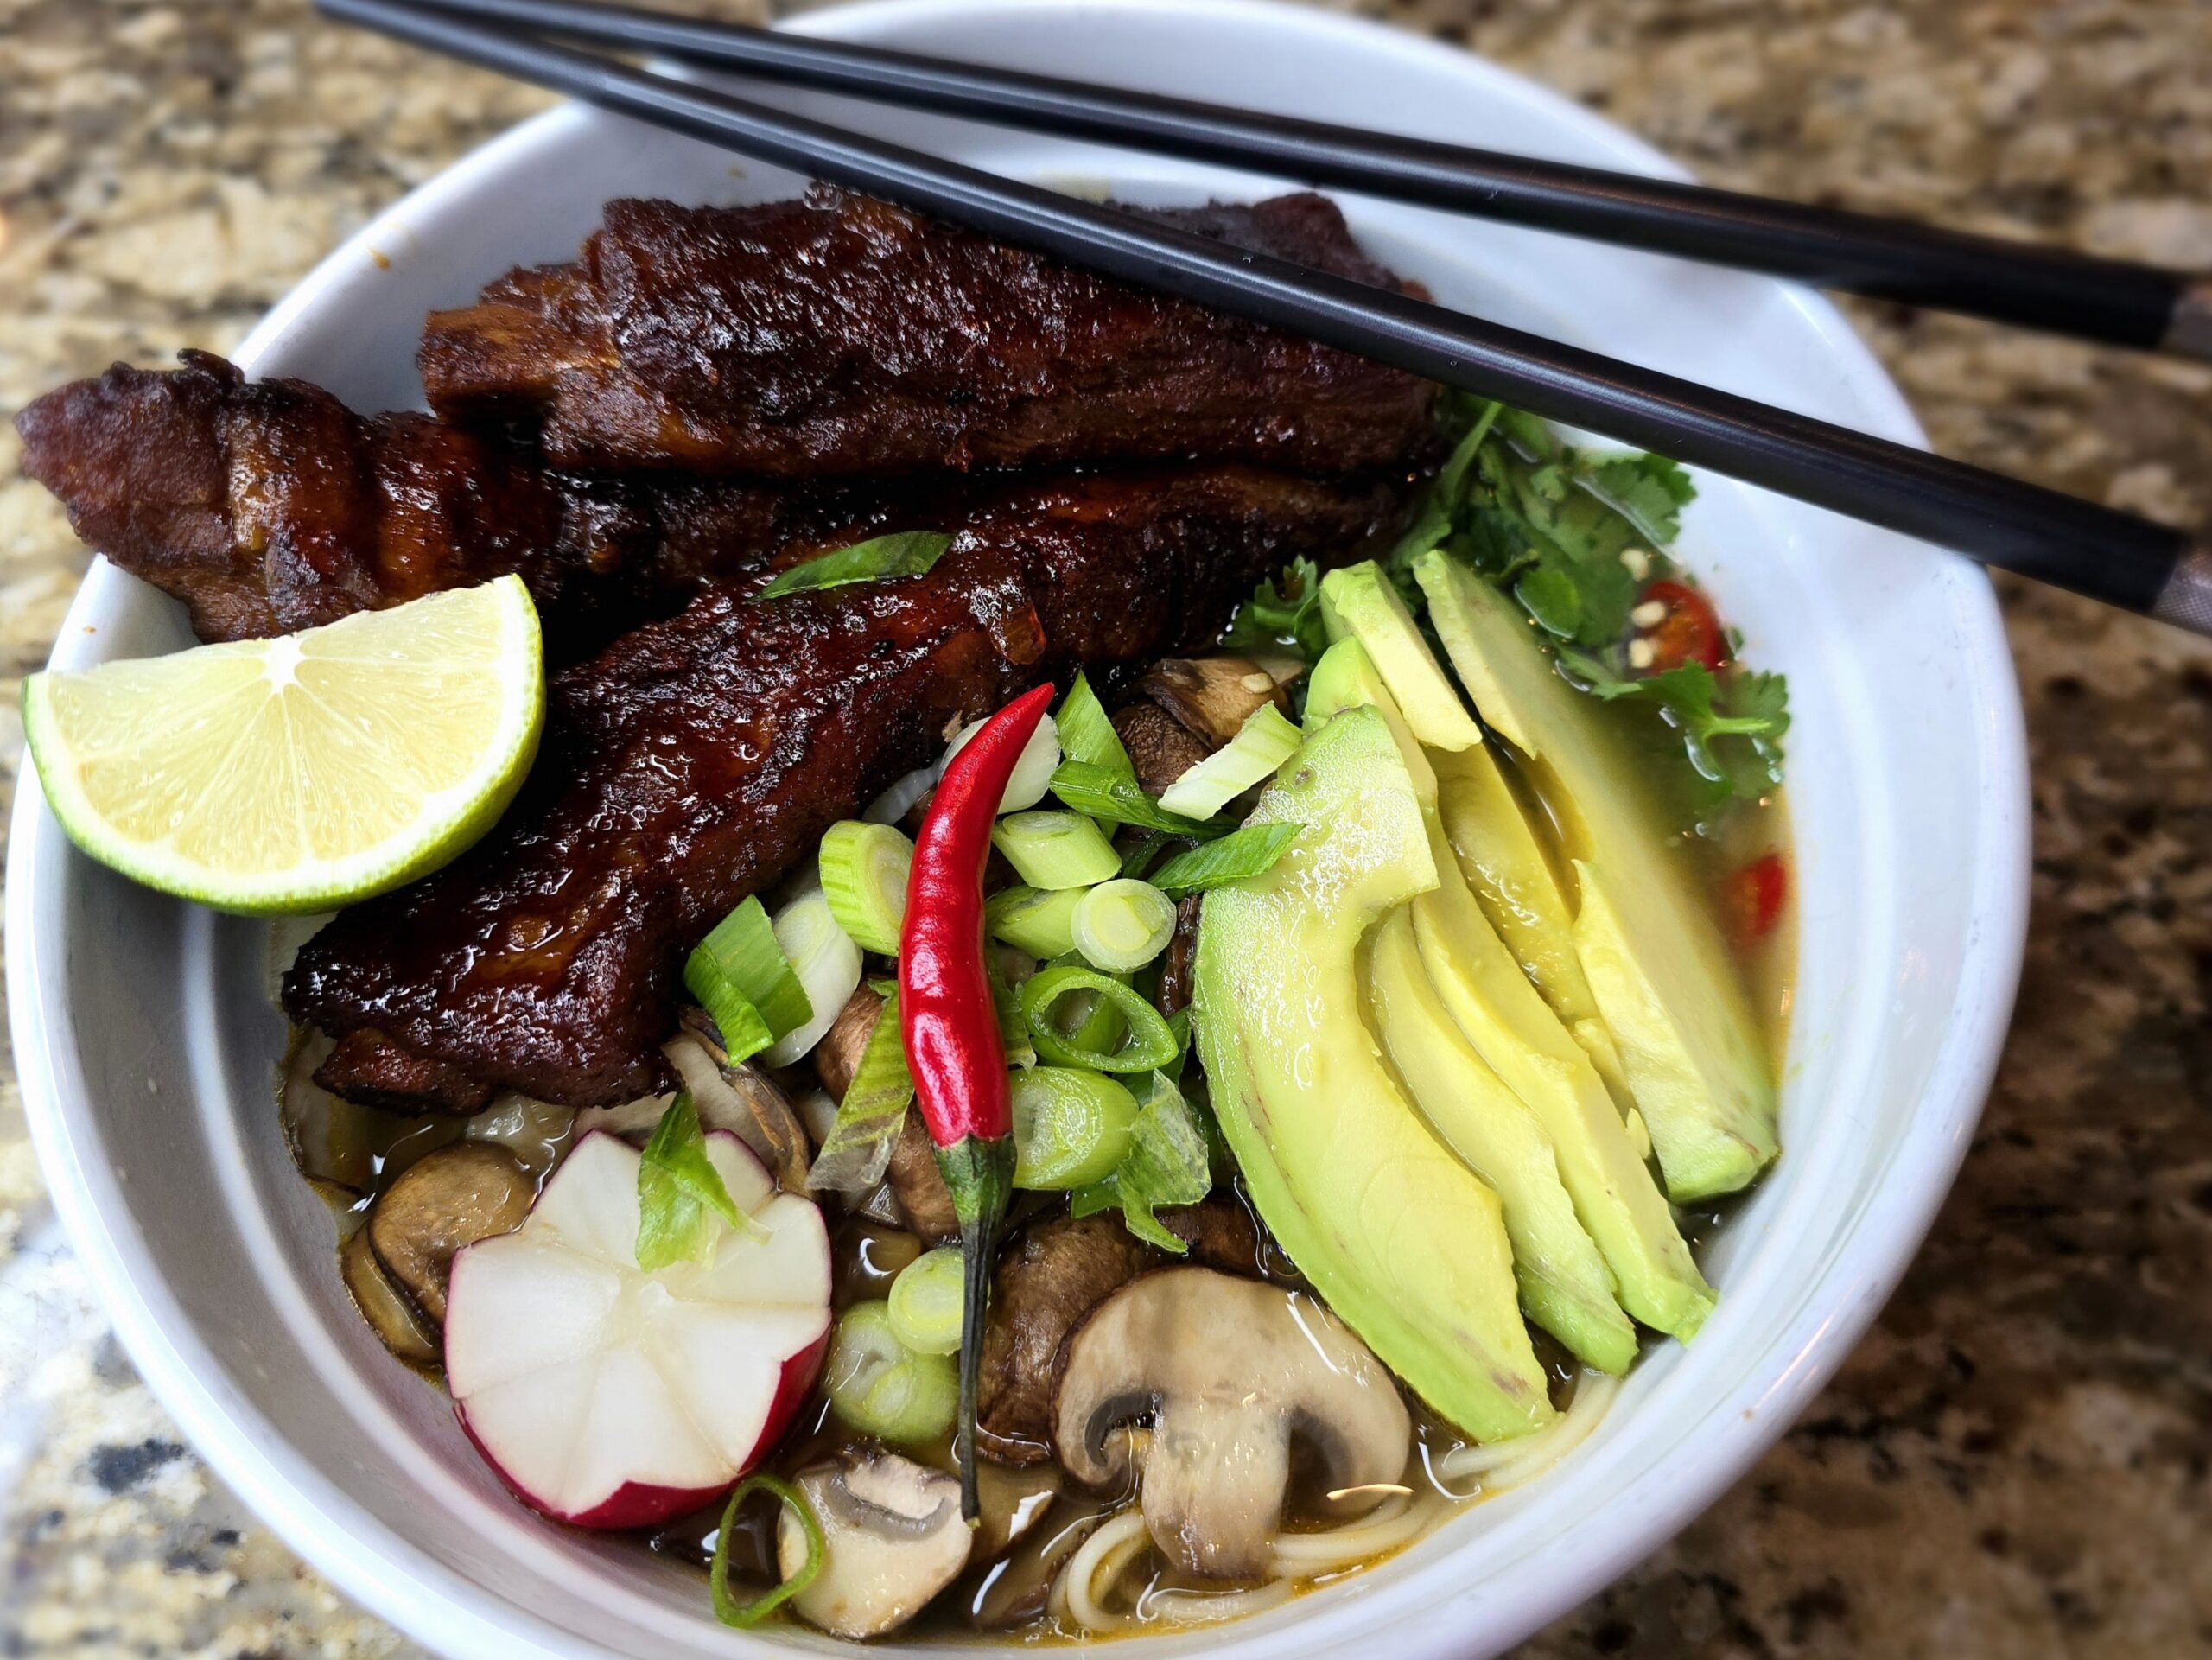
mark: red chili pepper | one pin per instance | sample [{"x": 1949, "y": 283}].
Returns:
[
  {"x": 1689, "y": 632},
  {"x": 1752, "y": 899},
  {"x": 950, "y": 1024}
]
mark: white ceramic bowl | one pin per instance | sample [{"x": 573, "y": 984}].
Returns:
[{"x": 147, "y": 1047}]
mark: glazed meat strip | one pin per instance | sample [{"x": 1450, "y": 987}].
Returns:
[
  {"x": 836, "y": 335},
  {"x": 268, "y": 507},
  {"x": 697, "y": 759}
]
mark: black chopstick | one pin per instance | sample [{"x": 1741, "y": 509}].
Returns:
[
  {"x": 2117, "y": 301},
  {"x": 2113, "y": 557}
]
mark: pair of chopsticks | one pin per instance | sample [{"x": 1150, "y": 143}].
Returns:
[{"x": 2122, "y": 560}]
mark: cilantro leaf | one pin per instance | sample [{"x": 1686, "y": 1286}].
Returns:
[
  {"x": 1649, "y": 489},
  {"x": 1732, "y": 730},
  {"x": 1283, "y": 613}
]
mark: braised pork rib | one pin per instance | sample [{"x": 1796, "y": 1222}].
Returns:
[
  {"x": 268, "y": 507},
  {"x": 837, "y": 336},
  {"x": 697, "y": 759}
]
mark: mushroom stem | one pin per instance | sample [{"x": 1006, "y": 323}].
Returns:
[{"x": 1214, "y": 1465}]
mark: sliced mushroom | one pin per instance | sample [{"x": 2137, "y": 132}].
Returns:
[
  {"x": 740, "y": 1097},
  {"x": 1230, "y": 1373},
  {"x": 1161, "y": 747},
  {"x": 892, "y": 1538},
  {"x": 452, "y": 1198},
  {"x": 837, "y": 1056},
  {"x": 1175, "y": 966},
  {"x": 1049, "y": 1277},
  {"x": 925, "y": 1201},
  {"x": 536, "y": 1132},
  {"x": 1213, "y": 696},
  {"x": 390, "y": 1316}
]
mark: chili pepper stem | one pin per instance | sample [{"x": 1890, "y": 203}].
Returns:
[{"x": 979, "y": 1171}]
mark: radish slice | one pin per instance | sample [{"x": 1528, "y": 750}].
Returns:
[{"x": 609, "y": 1397}]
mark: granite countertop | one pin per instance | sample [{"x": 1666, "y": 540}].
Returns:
[{"x": 2014, "y": 1463}]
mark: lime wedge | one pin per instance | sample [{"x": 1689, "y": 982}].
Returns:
[{"x": 305, "y": 772}]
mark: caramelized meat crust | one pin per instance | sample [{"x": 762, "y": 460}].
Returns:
[
  {"x": 697, "y": 759},
  {"x": 268, "y": 507},
  {"x": 835, "y": 335}
]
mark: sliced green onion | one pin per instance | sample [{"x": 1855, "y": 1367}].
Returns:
[
  {"x": 1087, "y": 735},
  {"x": 1148, "y": 1044},
  {"x": 864, "y": 878},
  {"x": 927, "y": 1301},
  {"x": 1142, "y": 851},
  {"x": 1039, "y": 920},
  {"x": 1262, "y": 744},
  {"x": 895, "y": 802},
  {"x": 1056, "y": 849},
  {"x": 1100, "y": 792},
  {"x": 741, "y": 975},
  {"x": 1093, "y": 1026},
  {"x": 857, "y": 1150},
  {"x": 1006, "y": 1003},
  {"x": 880, "y": 1387},
  {"x": 1032, "y": 771},
  {"x": 1071, "y": 1127},
  {"x": 1251, "y": 851},
  {"x": 1122, "y": 924},
  {"x": 1168, "y": 1162},
  {"x": 906, "y": 553},
  {"x": 746, "y": 1615},
  {"x": 828, "y": 964}
]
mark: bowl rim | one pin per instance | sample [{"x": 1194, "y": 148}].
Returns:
[{"x": 434, "y": 1604}]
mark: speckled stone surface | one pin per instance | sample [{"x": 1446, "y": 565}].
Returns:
[{"x": 2015, "y": 1463}]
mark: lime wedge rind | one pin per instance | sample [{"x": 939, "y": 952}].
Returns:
[{"x": 104, "y": 751}]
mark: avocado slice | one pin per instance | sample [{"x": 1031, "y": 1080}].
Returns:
[
  {"x": 1408, "y": 1246},
  {"x": 1346, "y": 677},
  {"x": 1565, "y": 1286},
  {"x": 1653, "y": 955},
  {"x": 1358, "y": 601},
  {"x": 1520, "y": 893},
  {"x": 1509, "y": 1027}
]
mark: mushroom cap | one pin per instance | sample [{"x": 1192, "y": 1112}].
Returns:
[
  {"x": 1231, "y": 1371},
  {"x": 892, "y": 1537},
  {"x": 390, "y": 1313},
  {"x": 738, "y": 1097},
  {"x": 837, "y": 1056},
  {"x": 1050, "y": 1275},
  {"x": 1160, "y": 747},
  {"x": 446, "y": 1200},
  {"x": 1213, "y": 696}
]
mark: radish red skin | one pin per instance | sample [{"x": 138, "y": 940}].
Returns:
[{"x": 639, "y": 1505}]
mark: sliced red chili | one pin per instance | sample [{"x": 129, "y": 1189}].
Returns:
[
  {"x": 1753, "y": 896},
  {"x": 1689, "y": 632}
]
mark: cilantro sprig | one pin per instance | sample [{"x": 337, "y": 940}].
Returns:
[{"x": 1575, "y": 538}]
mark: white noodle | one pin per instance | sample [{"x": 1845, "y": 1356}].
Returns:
[
  {"x": 1389, "y": 1524},
  {"x": 1080, "y": 1590},
  {"x": 1508, "y": 1464},
  {"x": 1114, "y": 1543},
  {"x": 1181, "y": 1608}
]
